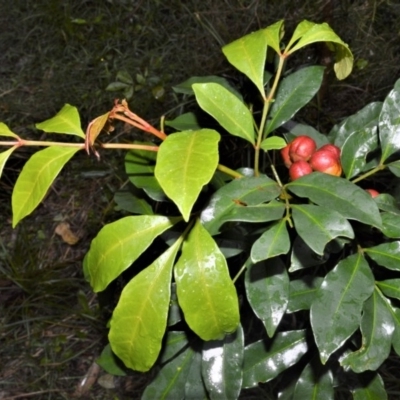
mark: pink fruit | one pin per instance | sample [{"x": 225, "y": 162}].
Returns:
[
  {"x": 331, "y": 147},
  {"x": 372, "y": 192},
  {"x": 302, "y": 148},
  {"x": 299, "y": 169},
  {"x": 285, "y": 156},
  {"x": 325, "y": 161}
]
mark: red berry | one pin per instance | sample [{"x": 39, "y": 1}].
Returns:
[
  {"x": 325, "y": 161},
  {"x": 372, "y": 192},
  {"x": 299, "y": 169},
  {"x": 331, "y": 147},
  {"x": 285, "y": 156},
  {"x": 302, "y": 148}
]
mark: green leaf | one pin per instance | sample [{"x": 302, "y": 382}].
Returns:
[
  {"x": 134, "y": 204},
  {"x": 267, "y": 289},
  {"x": 240, "y": 200},
  {"x": 388, "y": 203},
  {"x": 377, "y": 328},
  {"x": 389, "y": 123},
  {"x": 394, "y": 168},
  {"x": 303, "y": 257},
  {"x": 175, "y": 341},
  {"x": 169, "y": 383},
  {"x": 273, "y": 143},
  {"x": 294, "y": 92},
  {"x": 338, "y": 194},
  {"x": 355, "y": 150},
  {"x": 139, "y": 320},
  {"x": 390, "y": 225},
  {"x": 66, "y": 121},
  {"x": 373, "y": 389},
  {"x": 186, "y": 86},
  {"x": 308, "y": 32},
  {"x": 390, "y": 287},
  {"x": 274, "y": 34},
  {"x": 206, "y": 293},
  {"x": 4, "y": 157},
  {"x": 248, "y": 55},
  {"x": 36, "y": 177},
  {"x": 364, "y": 123},
  {"x": 315, "y": 382},
  {"x": 336, "y": 310},
  {"x": 222, "y": 366},
  {"x": 194, "y": 386},
  {"x": 285, "y": 350},
  {"x": 5, "y": 131},
  {"x": 386, "y": 254},
  {"x": 396, "y": 335},
  {"x": 302, "y": 293},
  {"x": 109, "y": 362},
  {"x": 139, "y": 166},
  {"x": 319, "y": 225},
  {"x": 273, "y": 242},
  {"x": 119, "y": 244},
  {"x": 117, "y": 86},
  {"x": 124, "y": 76},
  {"x": 186, "y": 162},
  {"x": 230, "y": 112},
  {"x": 184, "y": 122}
]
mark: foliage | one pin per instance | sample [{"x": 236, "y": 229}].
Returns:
[{"x": 309, "y": 255}]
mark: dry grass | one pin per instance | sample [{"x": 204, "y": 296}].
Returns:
[{"x": 51, "y": 52}]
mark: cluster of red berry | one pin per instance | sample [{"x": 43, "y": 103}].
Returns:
[{"x": 302, "y": 157}]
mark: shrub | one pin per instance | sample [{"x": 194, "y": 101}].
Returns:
[{"x": 253, "y": 273}]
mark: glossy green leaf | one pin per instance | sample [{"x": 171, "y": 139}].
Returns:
[
  {"x": 4, "y": 157},
  {"x": 240, "y": 200},
  {"x": 386, "y": 254},
  {"x": 273, "y": 143},
  {"x": 394, "y": 168},
  {"x": 315, "y": 383},
  {"x": 119, "y": 244},
  {"x": 267, "y": 290},
  {"x": 36, "y": 177},
  {"x": 390, "y": 287},
  {"x": 389, "y": 123},
  {"x": 264, "y": 361},
  {"x": 134, "y": 204},
  {"x": 186, "y": 86},
  {"x": 390, "y": 225},
  {"x": 169, "y": 383},
  {"x": 355, "y": 150},
  {"x": 222, "y": 366},
  {"x": 66, "y": 121},
  {"x": 274, "y": 34},
  {"x": 5, "y": 131},
  {"x": 194, "y": 386},
  {"x": 139, "y": 320},
  {"x": 294, "y": 92},
  {"x": 318, "y": 225},
  {"x": 184, "y": 122},
  {"x": 373, "y": 389},
  {"x": 364, "y": 122},
  {"x": 248, "y": 55},
  {"x": 308, "y": 32},
  {"x": 396, "y": 335},
  {"x": 186, "y": 162},
  {"x": 273, "y": 242},
  {"x": 230, "y": 112},
  {"x": 302, "y": 256},
  {"x": 338, "y": 194},
  {"x": 205, "y": 290},
  {"x": 302, "y": 293},
  {"x": 109, "y": 362},
  {"x": 388, "y": 203},
  {"x": 336, "y": 311},
  {"x": 139, "y": 166},
  {"x": 174, "y": 343},
  {"x": 174, "y": 313},
  {"x": 377, "y": 329}
]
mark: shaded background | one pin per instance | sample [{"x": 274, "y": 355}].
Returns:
[{"x": 54, "y": 52}]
